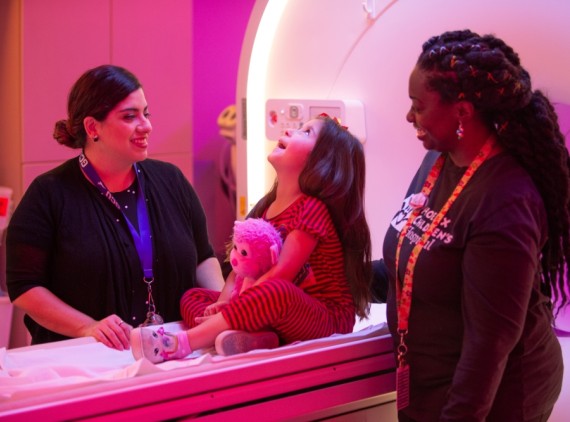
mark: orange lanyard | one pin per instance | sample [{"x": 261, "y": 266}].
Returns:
[{"x": 404, "y": 293}]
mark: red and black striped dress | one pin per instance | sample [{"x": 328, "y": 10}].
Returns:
[{"x": 317, "y": 304}]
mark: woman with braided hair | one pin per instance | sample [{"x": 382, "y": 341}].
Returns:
[{"x": 479, "y": 252}]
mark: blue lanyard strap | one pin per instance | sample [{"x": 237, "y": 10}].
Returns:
[{"x": 142, "y": 238}]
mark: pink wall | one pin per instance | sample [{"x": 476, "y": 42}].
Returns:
[
  {"x": 129, "y": 33},
  {"x": 219, "y": 28}
]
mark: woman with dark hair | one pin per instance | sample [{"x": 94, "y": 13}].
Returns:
[
  {"x": 480, "y": 247},
  {"x": 321, "y": 281},
  {"x": 110, "y": 239}
]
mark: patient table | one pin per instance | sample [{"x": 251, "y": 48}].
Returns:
[{"x": 346, "y": 375}]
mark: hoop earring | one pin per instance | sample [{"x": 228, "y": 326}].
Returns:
[{"x": 460, "y": 133}]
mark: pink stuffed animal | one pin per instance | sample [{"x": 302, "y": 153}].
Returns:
[{"x": 256, "y": 248}]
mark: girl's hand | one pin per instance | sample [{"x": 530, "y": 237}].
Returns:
[
  {"x": 216, "y": 307},
  {"x": 112, "y": 331},
  {"x": 211, "y": 310}
]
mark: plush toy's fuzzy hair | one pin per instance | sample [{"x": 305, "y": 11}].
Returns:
[{"x": 260, "y": 234}]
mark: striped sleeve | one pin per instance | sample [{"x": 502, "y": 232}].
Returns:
[{"x": 314, "y": 218}]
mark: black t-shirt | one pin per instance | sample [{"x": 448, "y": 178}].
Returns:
[{"x": 480, "y": 337}]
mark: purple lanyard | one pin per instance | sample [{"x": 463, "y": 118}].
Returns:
[{"x": 142, "y": 238}]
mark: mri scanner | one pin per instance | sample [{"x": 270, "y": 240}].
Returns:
[{"x": 350, "y": 58}]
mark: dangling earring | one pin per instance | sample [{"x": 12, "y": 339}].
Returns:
[
  {"x": 459, "y": 131},
  {"x": 96, "y": 138}
]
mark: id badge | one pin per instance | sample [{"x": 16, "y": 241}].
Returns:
[{"x": 402, "y": 386}]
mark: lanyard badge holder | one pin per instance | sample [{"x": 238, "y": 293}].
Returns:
[
  {"x": 142, "y": 240},
  {"x": 404, "y": 291},
  {"x": 152, "y": 318}
]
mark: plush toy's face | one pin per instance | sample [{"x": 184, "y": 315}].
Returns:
[
  {"x": 246, "y": 263},
  {"x": 256, "y": 247}
]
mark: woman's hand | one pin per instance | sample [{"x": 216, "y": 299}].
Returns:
[
  {"x": 112, "y": 331},
  {"x": 52, "y": 313}
]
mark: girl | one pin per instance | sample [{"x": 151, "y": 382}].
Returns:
[{"x": 317, "y": 204}]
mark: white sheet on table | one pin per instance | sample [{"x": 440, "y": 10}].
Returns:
[{"x": 32, "y": 371}]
